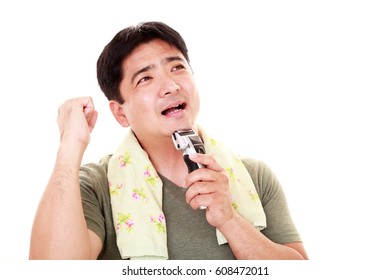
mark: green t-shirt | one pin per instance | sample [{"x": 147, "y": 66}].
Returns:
[{"x": 189, "y": 235}]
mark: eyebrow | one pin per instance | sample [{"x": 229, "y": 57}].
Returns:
[
  {"x": 151, "y": 66},
  {"x": 144, "y": 69},
  {"x": 172, "y": 58}
]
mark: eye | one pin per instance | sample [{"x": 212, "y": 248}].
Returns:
[
  {"x": 178, "y": 67},
  {"x": 143, "y": 80}
]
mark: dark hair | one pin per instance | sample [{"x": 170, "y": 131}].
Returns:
[{"x": 109, "y": 64}]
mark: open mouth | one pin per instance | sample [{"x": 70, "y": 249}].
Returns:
[{"x": 174, "y": 109}]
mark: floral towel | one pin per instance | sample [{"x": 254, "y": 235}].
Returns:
[{"x": 136, "y": 197}]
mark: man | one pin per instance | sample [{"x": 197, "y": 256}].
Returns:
[{"x": 142, "y": 202}]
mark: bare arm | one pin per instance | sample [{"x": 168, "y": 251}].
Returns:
[
  {"x": 209, "y": 187},
  {"x": 248, "y": 243},
  {"x": 59, "y": 230}
]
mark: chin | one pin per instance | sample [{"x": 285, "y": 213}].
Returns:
[
  {"x": 184, "y": 127},
  {"x": 168, "y": 127}
]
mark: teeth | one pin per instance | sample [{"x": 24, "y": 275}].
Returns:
[{"x": 173, "y": 110}]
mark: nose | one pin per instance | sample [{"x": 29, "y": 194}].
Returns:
[
  {"x": 169, "y": 87},
  {"x": 173, "y": 87}
]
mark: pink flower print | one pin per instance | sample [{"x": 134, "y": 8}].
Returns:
[
  {"x": 129, "y": 223},
  {"x": 161, "y": 218},
  {"x": 124, "y": 219},
  {"x": 147, "y": 173},
  {"x": 124, "y": 160},
  {"x": 138, "y": 194},
  {"x": 159, "y": 223},
  {"x": 135, "y": 196}
]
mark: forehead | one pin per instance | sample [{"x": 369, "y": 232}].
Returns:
[{"x": 150, "y": 52}]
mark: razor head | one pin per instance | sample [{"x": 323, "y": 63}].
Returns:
[{"x": 190, "y": 143}]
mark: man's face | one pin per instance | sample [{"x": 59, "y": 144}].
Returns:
[{"x": 159, "y": 90}]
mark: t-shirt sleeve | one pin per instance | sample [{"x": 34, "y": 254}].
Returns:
[
  {"x": 280, "y": 227},
  {"x": 96, "y": 202},
  {"x": 89, "y": 182}
]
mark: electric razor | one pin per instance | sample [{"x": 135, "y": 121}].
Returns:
[{"x": 190, "y": 143}]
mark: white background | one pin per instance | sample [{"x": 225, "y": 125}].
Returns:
[{"x": 301, "y": 85}]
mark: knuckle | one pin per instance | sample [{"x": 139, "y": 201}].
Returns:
[
  {"x": 225, "y": 176},
  {"x": 212, "y": 159}
]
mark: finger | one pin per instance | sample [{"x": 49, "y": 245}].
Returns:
[
  {"x": 199, "y": 188},
  {"x": 206, "y": 175},
  {"x": 89, "y": 111},
  {"x": 201, "y": 201},
  {"x": 207, "y": 160},
  {"x": 88, "y": 106},
  {"x": 74, "y": 116},
  {"x": 75, "y": 104},
  {"x": 92, "y": 120}
]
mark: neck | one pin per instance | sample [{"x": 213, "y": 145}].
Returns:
[{"x": 165, "y": 158}]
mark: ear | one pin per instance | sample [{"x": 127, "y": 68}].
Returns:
[{"x": 119, "y": 114}]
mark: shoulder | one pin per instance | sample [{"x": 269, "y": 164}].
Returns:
[
  {"x": 93, "y": 174},
  {"x": 263, "y": 178},
  {"x": 258, "y": 170}
]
